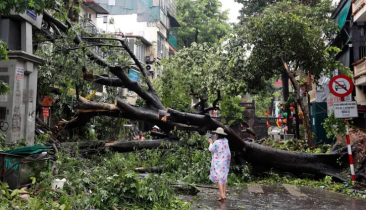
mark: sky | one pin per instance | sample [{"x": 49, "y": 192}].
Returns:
[{"x": 234, "y": 9}]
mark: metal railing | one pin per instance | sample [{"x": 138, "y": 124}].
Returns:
[
  {"x": 89, "y": 26},
  {"x": 173, "y": 37}
]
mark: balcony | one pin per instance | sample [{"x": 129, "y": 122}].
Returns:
[
  {"x": 173, "y": 38},
  {"x": 360, "y": 72},
  {"x": 172, "y": 8},
  {"x": 89, "y": 26},
  {"x": 359, "y": 10}
]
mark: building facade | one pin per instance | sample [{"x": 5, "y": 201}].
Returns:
[
  {"x": 351, "y": 18},
  {"x": 150, "y": 26},
  {"x": 89, "y": 10},
  {"x": 155, "y": 20}
]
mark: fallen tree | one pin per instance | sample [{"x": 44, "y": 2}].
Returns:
[
  {"x": 130, "y": 146},
  {"x": 169, "y": 120}
]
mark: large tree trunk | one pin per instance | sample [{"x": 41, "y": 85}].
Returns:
[
  {"x": 168, "y": 119},
  {"x": 130, "y": 146}
]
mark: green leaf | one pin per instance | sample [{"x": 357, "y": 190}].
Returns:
[
  {"x": 14, "y": 192},
  {"x": 33, "y": 180}
]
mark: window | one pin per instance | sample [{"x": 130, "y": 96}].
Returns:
[
  {"x": 88, "y": 16},
  {"x": 2, "y": 113},
  {"x": 160, "y": 46},
  {"x": 140, "y": 50}
]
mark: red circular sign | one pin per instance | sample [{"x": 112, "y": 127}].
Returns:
[{"x": 341, "y": 86}]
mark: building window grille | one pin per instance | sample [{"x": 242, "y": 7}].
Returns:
[
  {"x": 160, "y": 46},
  {"x": 140, "y": 50}
]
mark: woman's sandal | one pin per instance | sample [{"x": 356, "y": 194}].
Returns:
[{"x": 220, "y": 198}]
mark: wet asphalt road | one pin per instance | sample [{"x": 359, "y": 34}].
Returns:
[{"x": 275, "y": 197}]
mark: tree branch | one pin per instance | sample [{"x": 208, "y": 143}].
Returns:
[
  {"x": 48, "y": 17},
  {"x": 214, "y": 105},
  {"x": 135, "y": 87},
  {"x": 102, "y": 80},
  {"x": 204, "y": 122}
]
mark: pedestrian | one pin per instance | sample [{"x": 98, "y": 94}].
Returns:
[
  {"x": 140, "y": 137},
  {"x": 156, "y": 129},
  {"x": 220, "y": 163}
]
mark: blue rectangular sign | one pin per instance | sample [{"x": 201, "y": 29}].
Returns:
[
  {"x": 32, "y": 14},
  {"x": 134, "y": 76}
]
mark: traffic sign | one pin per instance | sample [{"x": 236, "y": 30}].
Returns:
[
  {"x": 345, "y": 109},
  {"x": 341, "y": 86}
]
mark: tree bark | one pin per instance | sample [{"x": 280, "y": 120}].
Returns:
[
  {"x": 130, "y": 146},
  {"x": 102, "y": 80},
  {"x": 196, "y": 36},
  {"x": 299, "y": 101}
]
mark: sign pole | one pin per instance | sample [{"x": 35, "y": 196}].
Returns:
[
  {"x": 342, "y": 86},
  {"x": 350, "y": 157},
  {"x": 353, "y": 176}
]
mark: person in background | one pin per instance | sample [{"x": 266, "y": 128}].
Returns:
[
  {"x": 156, "y": 128},
  {"x": 140, "y": 137},
  {"x": 220, "y": 162}
]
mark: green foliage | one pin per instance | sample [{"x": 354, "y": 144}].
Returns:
[
  {"x": 200, "y": 66},
  {"x": 262, "y": 103},
  {"x": 201, "y": 21},
  {"x": 252, "y": 8},
  {"x": 230, "y": 108},
  {"x": 107, "y": 127},
  {"x": 62, "y": 69},
  {"x": 43, "y": 139},
  {"x": 101, "y": 183},
  {"x": 3, "y": 50},
  {"x": 334, "y": 126},
  {"x": 20, "y": 6},
  {"x": 297, "y": 146},
  {"x": 293, "y": 32},
  {"x": 4, "y": 88}
]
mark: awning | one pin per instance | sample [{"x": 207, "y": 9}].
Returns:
[
  {"x": 342, "y": 15},
  {"x": 95, "y": 7},
  {"x": 173, "y": 21}
]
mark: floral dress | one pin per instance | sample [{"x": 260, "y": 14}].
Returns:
[{"x": 220, "y": 163}]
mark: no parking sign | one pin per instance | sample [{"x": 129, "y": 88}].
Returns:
[{"x": 341, "y": 86}]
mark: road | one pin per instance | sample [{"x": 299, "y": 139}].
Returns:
[{"x": 275, "y": 197}]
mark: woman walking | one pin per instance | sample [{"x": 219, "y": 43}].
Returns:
[{"x": 220, "y": 163}]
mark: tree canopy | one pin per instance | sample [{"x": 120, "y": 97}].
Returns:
[
  {"x": 20, "y": 6},
  {"x": 287, "y": 33},
  {"x": 285, "y": 38},
  {"x": 252, "y": 7},
  {"x": 201, "y": 21},
  {"x": 255, "y": 7}
]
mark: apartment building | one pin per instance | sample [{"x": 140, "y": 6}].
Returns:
[
  {"x": 351, "y": 18},
  {"x": 89, "y": 10},
  {"x": 150, "y": 26}
]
